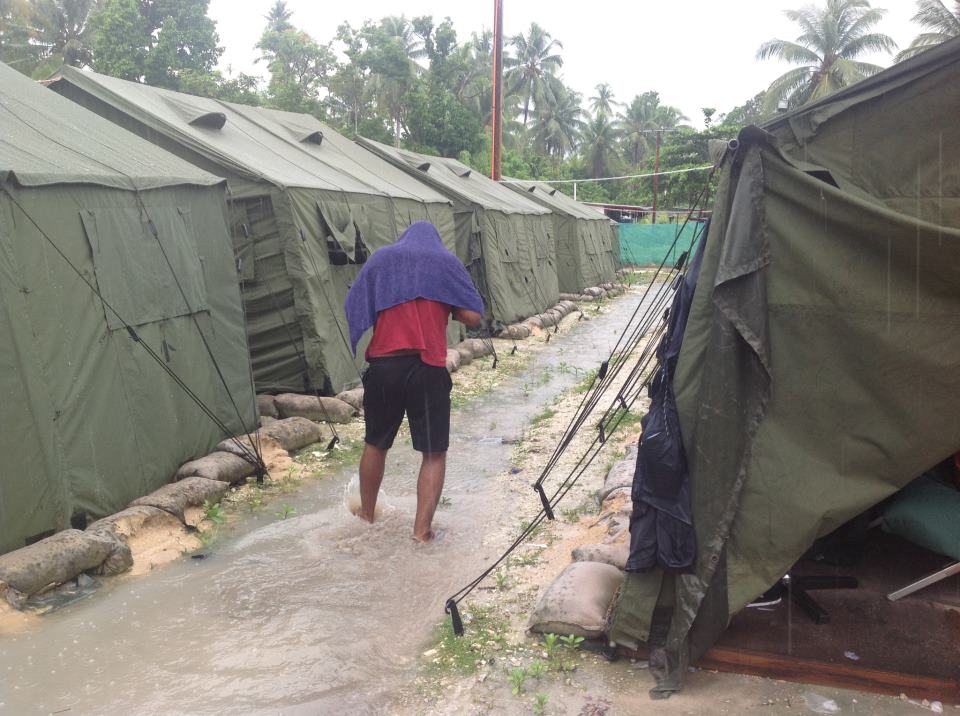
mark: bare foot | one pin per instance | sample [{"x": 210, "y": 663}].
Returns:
[
  {"x": 429, "y": 537},
  {"x": 359, "y": 513}
]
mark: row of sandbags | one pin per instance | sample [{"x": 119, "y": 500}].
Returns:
[
  {"x": 102, "y": 547},
  {"x": 580, "y": 599},
  {"x": 549, "y": 318},
  {"x": 594, "y": 293}
]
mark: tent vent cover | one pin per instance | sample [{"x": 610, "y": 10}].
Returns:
[
  {"x": 210, "y": 120},
  {"x": 313, "y": 138},
  {"x": 465, "y": 173},
  {"x": 424, "y": 167},
  {"x": 531, "y": 189}
]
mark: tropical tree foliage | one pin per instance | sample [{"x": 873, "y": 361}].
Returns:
[
  {"x": 832, "y": 38},
  {"x": 155, "y": 41},
  {"x": 414, "y": 82},
  {"x": 939, "y": 23},
  {"x": 37, "y": 37},
  {"x": 531, "y": 70}
]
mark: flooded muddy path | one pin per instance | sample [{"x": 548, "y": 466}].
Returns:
[{"x": 315, "y": 613}]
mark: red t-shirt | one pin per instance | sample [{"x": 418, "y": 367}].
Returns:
[{"x": 418, "y": 325}]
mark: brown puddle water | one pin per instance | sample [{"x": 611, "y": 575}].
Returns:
[{"x": 317, "y": 613}]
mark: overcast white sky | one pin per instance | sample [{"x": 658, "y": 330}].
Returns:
[{"x": 695, "y": 53}]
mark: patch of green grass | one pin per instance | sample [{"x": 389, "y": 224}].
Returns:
[
  {"x": 484, "y": 639},
  {"x": 584, "y": 385},
  {"x": 542, "y": 416},
  {"x": 573, "y": 514}
]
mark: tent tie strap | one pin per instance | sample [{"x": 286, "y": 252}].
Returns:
[
  {"x": 454, "y": 612},
  {"x": 547, "y": 509}
]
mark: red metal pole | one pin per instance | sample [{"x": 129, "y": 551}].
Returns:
[{"x": 497, "y": 113}]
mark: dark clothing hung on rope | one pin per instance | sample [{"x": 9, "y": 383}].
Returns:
[{"x": 661, "y": 527}]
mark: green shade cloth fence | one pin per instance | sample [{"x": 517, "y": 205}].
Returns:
[{"x": 648, "y": 244}]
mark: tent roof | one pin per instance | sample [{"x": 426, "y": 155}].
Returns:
[
  {"x": 340, "y": 154},
  {"x": 281, "y": 148},
  {"x": 458, "y": 179},
  {"x": 47, "y": 139},
  {"x": 557, "y": 200},
  {"x": 805, "y": 120}
]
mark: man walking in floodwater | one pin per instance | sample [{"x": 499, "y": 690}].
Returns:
[{"x": 406, "y": 292}]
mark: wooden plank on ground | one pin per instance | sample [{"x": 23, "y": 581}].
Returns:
[{"x": 811, "y": 671}]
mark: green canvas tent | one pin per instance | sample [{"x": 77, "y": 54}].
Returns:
[
  {"x": 818, "y": 372},
  {"x": 307, "y": 206},
  {"x": 504, "y": 239},
  {"x": 104, "y": 236},
  {"x": 582, "y": 235}
]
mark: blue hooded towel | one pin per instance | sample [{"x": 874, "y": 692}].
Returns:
[{"x": 417, "y": 265}]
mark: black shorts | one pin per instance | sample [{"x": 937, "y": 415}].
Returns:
[{"x": 396, "y": 385}]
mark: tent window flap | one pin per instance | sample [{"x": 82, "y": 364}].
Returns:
[{"x": 131, "y": 263}]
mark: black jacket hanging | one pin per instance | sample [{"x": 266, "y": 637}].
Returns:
[{"x": 661, "y": 527}]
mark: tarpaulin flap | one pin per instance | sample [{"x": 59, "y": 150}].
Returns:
[
  {"x": 135, "y": 269},
  {"x": 338, "y": 220}
]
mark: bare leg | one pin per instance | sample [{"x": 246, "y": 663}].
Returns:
[
  {"x": 429, "y": 486},
  {"x": 372, "y": 464}
]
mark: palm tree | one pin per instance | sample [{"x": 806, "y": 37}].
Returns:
[
  {"x": 603, "y": 102},
  {"x": 558, "y": 124},
  {"x": 278, "y": 19},
  {"x": 532, "y": 71},
  {"x": 639, "y": 122},
  {"x": 599, "y": 145},
  {"x": 940, "y": 23},
  {"x": 63, "y": 30},
  {"x": 833, "y": 37}
]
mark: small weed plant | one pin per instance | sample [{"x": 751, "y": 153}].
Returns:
[
  {"x": 540, "y": 703},
  {"x": 537, "y": 669},
  {"x": 517, "y": 678},
  {"x": 285, "y": 512},
  {"x": 213, "y": 511}
]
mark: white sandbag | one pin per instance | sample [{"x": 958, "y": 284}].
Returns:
[
  {"x": 615, "y": 554},
  {"x": 578, "y": 601},
  {"x": 222, "y": 466},
  {"x": 292, "y": 433},
  {"x": 322, "y": 409},
  {"x": 176, "y": 497},
  {"x": 466, "y": 355},
  {"x": 620, "y": 475},
  {"x": 515, "y": 332},
  {"x": 266, "y": 406},
  {"x": 57, "y": 559},
  {"x": 479, "y": 347},
  {"x": 453, "y": 361},
  {"x": 353, "y": 398},
  {"x": 128, "y": 522}
]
